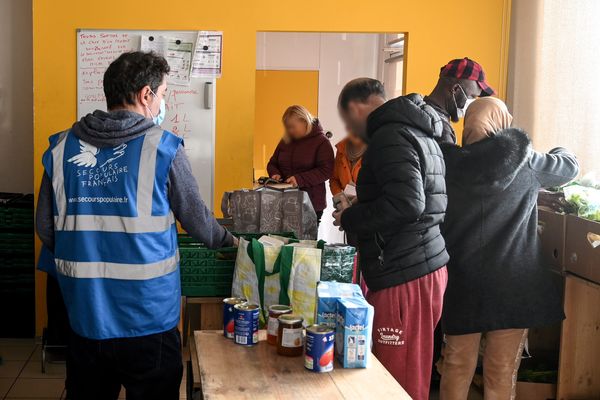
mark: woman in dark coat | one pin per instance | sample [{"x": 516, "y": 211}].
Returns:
[
  {"x": 304, "y": 157},
  {"x": 497, "y": 284}
]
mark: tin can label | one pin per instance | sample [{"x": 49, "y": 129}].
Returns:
[
  {"x": 246, "y": 326},
  {"x": 228, "y": 315},
  {"x": 228, "y": 321},
  {"x": 319, "y": 351}
]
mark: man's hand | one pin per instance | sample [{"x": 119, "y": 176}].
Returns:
[
  {"x": 292, "y": 181},
  {"x": 276, "y": 177},
  {"x": 236, "y": 242},
  {"x": 337, "y": 219}
]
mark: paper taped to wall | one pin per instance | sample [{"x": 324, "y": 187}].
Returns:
[
  {"x": 176, "y": 51},
  {"x": 207, "y": 55}
]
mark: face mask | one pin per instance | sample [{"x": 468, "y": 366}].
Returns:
[
  {"x": 460, "y": 112},
  {"x": 158, "y": 119}
]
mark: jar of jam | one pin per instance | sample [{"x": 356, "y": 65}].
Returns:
[
  {"x": 275, "y": 311},
  {"x": 289, "y": 335}
]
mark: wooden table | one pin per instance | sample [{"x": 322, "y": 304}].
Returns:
[{"x": 230, "y": 371}]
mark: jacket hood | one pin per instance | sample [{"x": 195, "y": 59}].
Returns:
[
  {"x": 490, "y": 165},
  {"x": 110, "y": 129},
  {"x": 317, "y": 129},
  {"x": 409, "y": 110}
]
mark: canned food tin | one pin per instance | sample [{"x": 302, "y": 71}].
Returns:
[
  {"x": 246, "y": 323},
  {"x": 275, "y": 311},
  {"x": 228, "y": 323},
  {"x": 318, "y": 355}
]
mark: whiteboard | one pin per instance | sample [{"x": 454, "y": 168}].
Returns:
[{"x": 190, "y": 109}]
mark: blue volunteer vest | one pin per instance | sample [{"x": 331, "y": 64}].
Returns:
[{"x": 116, "y": 251}]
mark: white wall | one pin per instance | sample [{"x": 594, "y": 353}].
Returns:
[
  {"x": 288, "y": 51},
  {"x": 16, "y": 97},
  {"x": 339, "y": 58}
]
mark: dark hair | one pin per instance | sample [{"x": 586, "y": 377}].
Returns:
[
  {"x": 360, "y": 89},
  {"x": 129, "y": 73}
]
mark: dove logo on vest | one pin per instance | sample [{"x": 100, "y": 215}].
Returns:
[{"x": 99, "y": 166}]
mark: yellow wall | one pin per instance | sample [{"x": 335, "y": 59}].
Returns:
[
  {"x": 438, "y": 30},
  {"x": 276, "y": 91}
]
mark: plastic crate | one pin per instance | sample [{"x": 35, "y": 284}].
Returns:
[
  {"x": 16, "y": 243},
  {"x": 249, "y": 236},
  {"x": 205, "y": 272},
  {"x": 16, "y": 211}
]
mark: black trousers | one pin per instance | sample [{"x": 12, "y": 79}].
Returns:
[{"x": 149, "y": 367}]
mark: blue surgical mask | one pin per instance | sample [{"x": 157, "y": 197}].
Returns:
[{"x": 160, "y": 117}]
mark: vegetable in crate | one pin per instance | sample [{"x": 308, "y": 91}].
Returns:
[{"x": 584, "y": 195}]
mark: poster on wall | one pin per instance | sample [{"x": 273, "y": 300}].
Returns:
[
  {"x": 176, "y": 51},
  {"x": 207, "y": 55}
]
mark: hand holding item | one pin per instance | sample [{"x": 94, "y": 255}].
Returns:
[
  {"x": 236, "y": 242},
  {"x": 292, "y": 181},
  {"x": 276, "y": 177},
  {"x": 341, "y": 201},
  {"x": 337, "y": 219}
]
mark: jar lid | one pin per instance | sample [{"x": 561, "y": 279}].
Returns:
[
  {"x": 280, "y": 309},
  {"x": 290, "y": 319}
]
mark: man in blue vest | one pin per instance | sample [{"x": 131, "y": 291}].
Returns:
[{"x": 113, "y": 186}]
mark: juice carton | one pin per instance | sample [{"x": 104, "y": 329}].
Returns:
[
  {"x": 353, "y": 332},
  {"x": 327, "y": 295}
]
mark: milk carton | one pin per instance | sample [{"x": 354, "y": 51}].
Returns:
[
  {"x": 353, "y": 332},
  {"x": 327, "y": 295}
]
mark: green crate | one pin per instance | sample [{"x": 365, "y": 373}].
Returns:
[
  {"x": 16, "y": 218},
  {"x": 205, "y": 272},
  {"x": 16, "y": 243},
  {"x": 250, "y": 236}
]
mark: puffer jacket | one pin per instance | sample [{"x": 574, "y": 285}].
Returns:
[
  {"x": 309, "y": 160},
  {"x": 401, "y": 195},
  {"x": 496, "y": 278}
]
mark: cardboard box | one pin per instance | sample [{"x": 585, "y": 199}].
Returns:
[
  {"x": 536, "y": 391},
  {"x": 582, "y": 248},
  {"x": 551, "y": 230},
  {"x": 328, "y": 294},
  {"x": 353, "y": 332}
]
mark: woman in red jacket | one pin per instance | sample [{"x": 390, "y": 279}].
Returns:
[{"x": 304, "y": 157}]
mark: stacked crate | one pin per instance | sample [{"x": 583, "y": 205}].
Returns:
[
  {"x": 17, "y": 265},
  {"x": 205, "y": 272}
]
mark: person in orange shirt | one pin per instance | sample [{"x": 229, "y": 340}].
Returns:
[{"x": 348, "y": 161}]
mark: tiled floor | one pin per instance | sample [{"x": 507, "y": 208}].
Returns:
[{"x": 21, "y": 375}]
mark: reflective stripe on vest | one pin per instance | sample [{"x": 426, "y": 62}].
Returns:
[{"x": 75, "y": 269}]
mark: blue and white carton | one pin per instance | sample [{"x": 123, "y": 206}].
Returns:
[
  {"x": 328, "y": 294},
  {"x": 353, "y": 332}
]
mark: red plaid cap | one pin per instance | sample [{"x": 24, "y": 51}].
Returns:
[{"x": 465, "y": 68}]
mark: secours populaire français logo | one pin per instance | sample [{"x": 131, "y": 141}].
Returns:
[{"x": 94, "y": 174}]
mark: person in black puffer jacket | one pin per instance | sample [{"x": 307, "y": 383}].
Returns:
[{"x": 401, "y": 204}]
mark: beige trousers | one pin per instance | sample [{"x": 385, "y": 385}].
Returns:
[{"x": 501, "y": 360}]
